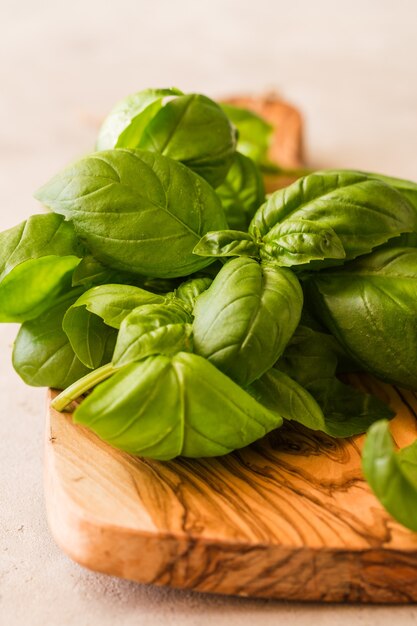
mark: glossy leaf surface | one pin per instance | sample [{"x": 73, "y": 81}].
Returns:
[
  {"x": 245, "y": 319},
  {"x": 163, "y": 407},
  {"x": 136, "y": 211}
]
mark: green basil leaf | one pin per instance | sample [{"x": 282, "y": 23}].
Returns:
[
  {"x": 90, "y": 272},
  {"x": 392, "y": 475},
  {"x": 42, "y": 353},
  {"x": 255, "y": 134},
  {"x": 137, "y": 212},
  {"x": 242, "y": 192},
  {"x": 189, "y": 291},
  {"x": 245, "y": 319},
  {"x": 194, "y": 130},
  {"x": 363, "y": 212},
  {"x": 91, "y": 339},
  {"x": 224, "y": 243},
  {"x": 114, "y": 302},
  {"x": 180, "y": 405},
  {"x": 370, "y": 306},
  {"x": 125, "y": 124},
  {"x": 280, "y": 393},
  {"x": 311, "y": 360},
  {"x": 296, "y": 242},
  {"x": 153, "y": 329},
  {"x": 37, "y": 259}
]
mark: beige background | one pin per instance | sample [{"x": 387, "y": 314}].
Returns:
[{"x": 350, "y": 66}]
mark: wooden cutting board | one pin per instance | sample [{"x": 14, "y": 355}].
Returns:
[{"x": 289, "y": 517}]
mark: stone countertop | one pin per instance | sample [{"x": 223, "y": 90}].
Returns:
[{"x": 349, "y": 66}]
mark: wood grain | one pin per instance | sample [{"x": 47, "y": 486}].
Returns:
[{"x": 288, "y": 517}]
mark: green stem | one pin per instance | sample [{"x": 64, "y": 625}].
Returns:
[{"x": 85, "y": 383}]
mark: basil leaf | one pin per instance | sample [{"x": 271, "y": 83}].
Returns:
[
  {"x": 137, "y": 212},
  {"x": 42, "y": 353},
  {"x": 90, "y": 272},
  {"x": 223, "y": 243},
  {"x": 280, "y": 393},
  {"x": 363, "y": 212},
  {"x": 153, "y": 329},
  {"x": 180, "y": 405},
  {"x": 194, "y": 130},
  {"x": 242, "y": 192},
  {"x": 189, "y": 291},
  {"x": 125, "y": 124},
  {"x": 114, "y": 302},
  {"x": 37, "y": 258},
  {"x": 311, "y": 360},
  {"x": 91, "y": 339},
  {"x": 370, "y": 306},
  {"x": 296, "y": 242},
  {"x": 392, "y": 475},
  {"x": 245, "y": 319},
  {"x": 255, "y": 134}
]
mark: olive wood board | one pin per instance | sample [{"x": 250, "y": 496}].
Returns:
[{"x": 288, "y": 517}]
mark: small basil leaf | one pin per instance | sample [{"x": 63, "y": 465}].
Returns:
[
  {"x": 278, "y": 392},
  {"x": 114, "y": 302},
  {"x": 363, "y": 212},
  {"x": 125, "y": 124},
  {"x": 42, "y": 353},
  {"x": 179, "y": 405},
  {"x": 37, "y": 258},
  {"x": 255, "y": 134},
  {"x": 189, "y": 291},
  {"x": 91, "y": 339},
  {"x": 311, "y": 360},
  {"x": 242, "y": 192},
  {"x": 194, "y": 130},
  {"x": 153, "y": 329},
  {"x": 392, "y": 475},
  {"x": 223, "y": 243},
  {"x": 370, "y": 306},
  {"x": 245, "y": 319},
  {"x": 296, "y": 242},
  {"x": 90, "y": 272},
  {"x": 137, "y": 212}
]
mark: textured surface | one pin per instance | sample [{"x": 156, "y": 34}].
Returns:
[
  {"x": 288, "y": 517},
  {"x": 349, "y": 66}
]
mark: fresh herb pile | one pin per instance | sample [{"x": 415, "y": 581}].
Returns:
[{"x": 201, "y": 314}]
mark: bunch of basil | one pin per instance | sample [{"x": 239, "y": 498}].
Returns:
[{"x": 126, "y": 290}]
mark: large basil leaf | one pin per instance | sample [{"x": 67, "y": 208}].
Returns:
[
  {"x": 42, "y": 353},
  {"x": 363, "y": 212},
  {"x": 37, "y": 258},
  {"x": 124, "y": 126},
  {"x": 242, "y": 192},
  {"x": 194, "y": 130},
  {"x": 392, "y": 475},
  {"x": 244, "y": 320},
  {"x": 370, "y": 306},
  {"x": 137, "y": 212},
  {"x": 163, "y": 407},
  {"x": 114, "y": 302},
  {"x": 153, "y": 329},
  {"x": 255, "y": 134},
  {"x": 91, "y": 339}
]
